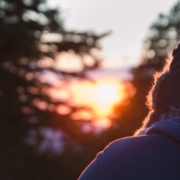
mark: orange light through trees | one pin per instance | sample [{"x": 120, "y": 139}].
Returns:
[{"x": 100, "y": 96}]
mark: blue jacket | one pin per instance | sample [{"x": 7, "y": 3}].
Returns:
[{"x": 154, "y": 156}]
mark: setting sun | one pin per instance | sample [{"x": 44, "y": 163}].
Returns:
[
  {"x": 95, "y": 100},
  {"x": 107, "y": 93},
  {"x": 100, "y": 96}
]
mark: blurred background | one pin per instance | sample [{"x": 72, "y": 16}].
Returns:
[{"x": 74, "y": 75}]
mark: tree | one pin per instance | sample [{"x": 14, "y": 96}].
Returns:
[
  {"x": 32, "y": 35},
  {"x": 161, "y": 39}
]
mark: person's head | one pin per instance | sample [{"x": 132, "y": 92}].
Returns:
[{"x": 163, "y": 99}]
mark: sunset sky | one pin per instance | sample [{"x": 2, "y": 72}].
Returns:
[{"x": 129, "y": 20}]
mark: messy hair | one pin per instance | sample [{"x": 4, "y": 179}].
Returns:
[{"x": 152, "y": 98}]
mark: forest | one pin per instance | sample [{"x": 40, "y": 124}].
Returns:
[{"x": 42, "y": 137}]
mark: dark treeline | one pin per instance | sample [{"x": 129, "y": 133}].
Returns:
[
  {"x": 26, "y": 132},
  {"x": 38, "y": 143},
  {"x": 162, "y": 38}
]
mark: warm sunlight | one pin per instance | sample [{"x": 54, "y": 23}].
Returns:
[
  {"x": 107, "y": 93},
  {"x": 100, "y": 96},
  {"x": 95, "y": 100}
]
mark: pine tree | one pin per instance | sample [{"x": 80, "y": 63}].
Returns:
[
  {"x": 31, "y": 33},
  {"x": 162, "y": 37}
]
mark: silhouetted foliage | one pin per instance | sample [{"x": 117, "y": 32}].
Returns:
[
  {"x": 31, "y": 32},
  {"x": 162, "y": 37}
]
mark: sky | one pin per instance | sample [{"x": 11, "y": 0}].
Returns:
[{"x": 129, "y": 21}]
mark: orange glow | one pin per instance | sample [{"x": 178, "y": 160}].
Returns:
[
  {"x": 102, "y": 123},
  {"x": 63, "y": 110},
  {"x": 100, "y": 96},
  {"x": 108, "y": 92},
  {"x": 83, "y": 114}
]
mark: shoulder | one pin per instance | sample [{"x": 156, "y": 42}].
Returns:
[
  {"x": 134, "y": 149},
  {"x": 128, "y": 154},
  {"x": 127, "y": 143}
]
